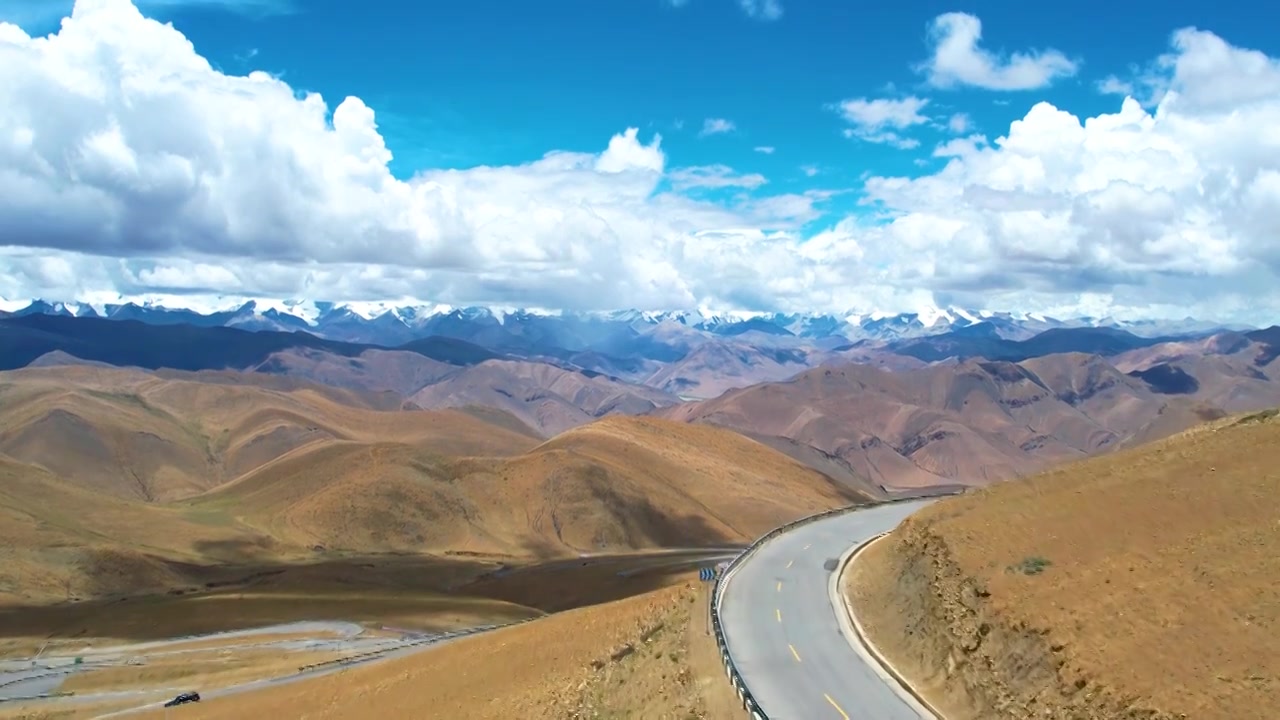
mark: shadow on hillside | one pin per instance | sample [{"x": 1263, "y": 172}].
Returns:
[
  {"x": 419, "y": 592},
  {"x": 235, "y": 551},
  {"x": 639, "y": 523}
]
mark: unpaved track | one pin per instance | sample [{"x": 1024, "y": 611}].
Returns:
[{"x": 34, "y": 678}]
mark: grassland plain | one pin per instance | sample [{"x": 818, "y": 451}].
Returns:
[{"x": 1143, "y": 584}]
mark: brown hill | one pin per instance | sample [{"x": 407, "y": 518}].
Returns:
[
  {"x": 714, "y": 367},
  {"x": 132, "y": 434},
  {"x": 398, "y": 371},
  {"x": 1230, "y": 371},
  {"x": 1141, "y": 584},
  {"x": 125, "y": 481},
  {"x": 1227, "y": 343},
  {"x": 617, "y": 484},
  {"x": 971, "y": 423},
  {"x": 59, "y": 540},
  {"x": 546, "y": 397}
]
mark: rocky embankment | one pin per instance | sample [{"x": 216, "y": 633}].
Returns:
[{"x": 940, "y": 628}]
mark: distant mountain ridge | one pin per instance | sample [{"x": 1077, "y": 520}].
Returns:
[
  {"x": 388, "y": 324},
  {"x": 966, "y": 406}
]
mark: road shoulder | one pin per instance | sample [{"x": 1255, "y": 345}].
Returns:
[{"x": 843, "y": 582}]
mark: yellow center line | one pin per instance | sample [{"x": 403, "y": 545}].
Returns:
[
  {"x": 794, "y": 654},
  {"x": 779, "y": 586},
  {"x": 789, "y": 563},
  {"x": 837, "y": 707},
  {"x": 778, "y": 613}
]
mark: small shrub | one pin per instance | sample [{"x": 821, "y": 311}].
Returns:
[
  {"x": 1258, "y": 417},
  {"x": 1031, "y": 566}
]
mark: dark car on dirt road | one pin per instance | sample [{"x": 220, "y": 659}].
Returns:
[{"x": 183, "y": 699}]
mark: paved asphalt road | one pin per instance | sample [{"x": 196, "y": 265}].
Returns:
[{"x": 782, "y": 631}]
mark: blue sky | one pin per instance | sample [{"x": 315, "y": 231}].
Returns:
[
  {"x": 459, "y": 84},
  {"x": 229, "y": 183}
]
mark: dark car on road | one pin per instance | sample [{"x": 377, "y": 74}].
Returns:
[{"x": 183, "y": 699}]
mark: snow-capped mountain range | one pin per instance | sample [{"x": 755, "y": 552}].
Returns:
[{"x": 391, "y": 324}]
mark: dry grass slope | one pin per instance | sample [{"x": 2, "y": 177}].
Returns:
[
  {"x": 95, "y": 464},
  {"x": 1137, "y": 585},
  {"x": 59, "y": 540},
  {"x": 645, "y": 656},
  {"x": 120, "y": 481},
  {"x": 618, "y": 484},
  {"x": 138, "y": 436},
  {"x": 665, "y": 484}
]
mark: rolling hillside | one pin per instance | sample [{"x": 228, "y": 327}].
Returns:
[
  {"x": 123, "y": 481},
  {"x": 618, "y": 484},
  {"x": 60, "y": 540},
  {"x": 545, "y": 397},
  {"x": 135, "y": 435},
  {"x": 1137, "y": 585},
  {"x": 434, "y": 372},
  {"x": 713, "y": 368},
  {"x": 974, "y": 422}
]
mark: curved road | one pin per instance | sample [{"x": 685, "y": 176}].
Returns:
[{"x": 783, "y": 633}]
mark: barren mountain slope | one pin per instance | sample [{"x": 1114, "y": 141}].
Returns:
[
  {"x": 58, "y": 540},
  {"x": 714, "y": 367},
  {"x": 545, "y": 397},
  {"x": 1227, "y": 343},
  {"x": 1140, "y": 584},
  {"x": 874, "y": 354},
  {"x": 133, "y": 434},
  {"x": 113, "y": 476},
  {"x": 617, "y": 484},
  {"x": 972, "y": 423},
  {"x": 1231, "y": 371},
  {"x": 875, "y": 421},
  {"x": 399, "y": 371}
]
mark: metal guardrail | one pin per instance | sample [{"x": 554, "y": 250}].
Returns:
[
  {"x": 735, "y": 678},
  {"x": 29, "y": 678}
]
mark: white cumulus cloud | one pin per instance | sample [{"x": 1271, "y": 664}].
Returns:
[
  {"x": 959, "y": 59},
  {"x": 883, "y": 119},
  {"x": 1112, "y": 85},
  {"x": 129, "y": 165}
]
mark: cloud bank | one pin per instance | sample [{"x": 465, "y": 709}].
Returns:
[{"x": 128, "y": 164}]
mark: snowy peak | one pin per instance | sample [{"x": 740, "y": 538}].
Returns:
[{"x": 390, "y": 322}]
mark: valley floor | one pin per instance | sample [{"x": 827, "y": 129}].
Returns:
[
  {"x": 648, "y": 656},
  {"x": 137, "y": 652}
]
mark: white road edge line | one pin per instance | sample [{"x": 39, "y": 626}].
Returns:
[{"x": 857, "y": 639}]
